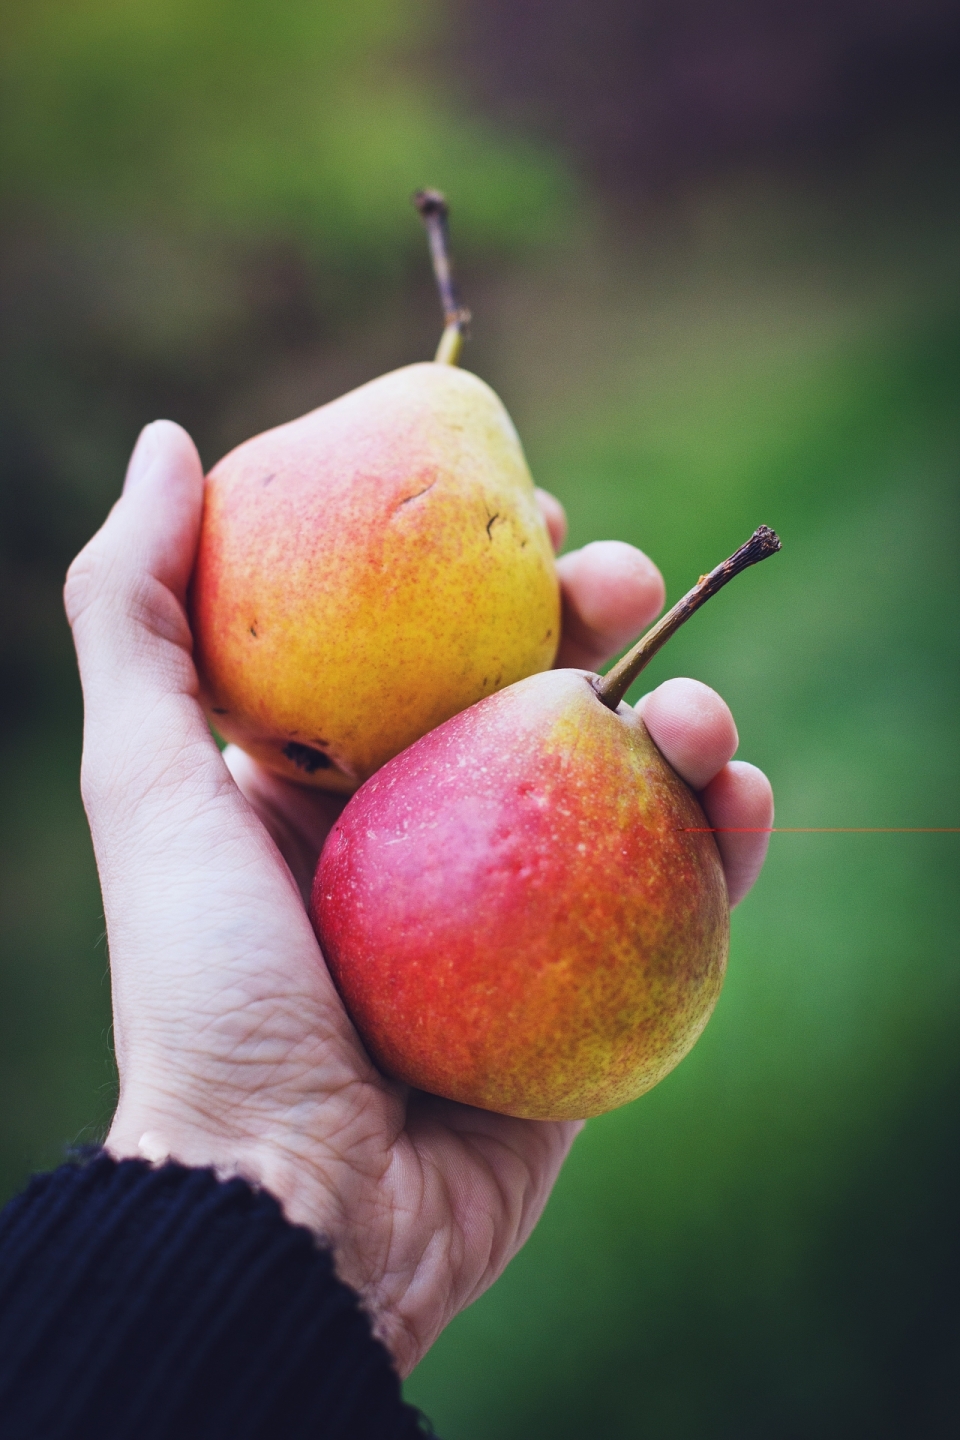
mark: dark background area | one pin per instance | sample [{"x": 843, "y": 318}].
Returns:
[
  {"x": 650, "y": 96},
  {"x": 711, "y": 254}
]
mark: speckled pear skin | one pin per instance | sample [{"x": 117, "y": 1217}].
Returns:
[
  {"x": 366, "y": 572},
  {"x": 514, "y": 912}
]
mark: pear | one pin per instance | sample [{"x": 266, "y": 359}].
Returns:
[
  {"x": 526, "y": 910},
  {"x": 372, "y": 568}
]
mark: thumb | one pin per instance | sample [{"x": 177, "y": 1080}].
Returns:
[
  {"x": 125, "y": 599},
  {"x": 126, "y": 590}
]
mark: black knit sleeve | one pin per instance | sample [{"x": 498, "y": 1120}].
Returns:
[{"x": 141, "y": 1303}]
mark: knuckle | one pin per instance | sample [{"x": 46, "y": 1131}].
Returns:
[
  {"x": 91, "y": 787},
  {"x": 82, "y": 582},
  {"x": 154, "y": 607},
  {"x": 132, "y": 595}
]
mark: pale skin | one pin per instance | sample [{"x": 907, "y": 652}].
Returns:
[{"x": 233, "y": 1048}]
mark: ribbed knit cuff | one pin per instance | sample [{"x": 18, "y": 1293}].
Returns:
[{"x": 164, "y": 1304}]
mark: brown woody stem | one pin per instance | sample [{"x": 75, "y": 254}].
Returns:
[
  {"x": 434, "y": 212},
  {"x": 615, "y": 684}
]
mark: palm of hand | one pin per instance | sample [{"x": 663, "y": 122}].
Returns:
[
  {"x": 233, "y": 1047},
  {"x": 424, "y": 1200}
]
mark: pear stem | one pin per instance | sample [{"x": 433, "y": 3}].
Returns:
[
  {"x": 615, "y": 684},
  {"x": 434, "y": 212}
]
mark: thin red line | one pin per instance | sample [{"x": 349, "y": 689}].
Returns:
[{"x": 822, "y": 829}]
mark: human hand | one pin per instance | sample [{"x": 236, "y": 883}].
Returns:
[{"x": 233, "y": 1047}]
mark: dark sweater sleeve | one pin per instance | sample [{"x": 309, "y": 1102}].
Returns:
[{"x": 165, "y": 1304}]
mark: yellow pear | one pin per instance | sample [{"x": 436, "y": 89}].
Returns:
[
  {"x": 373, "y": 568},
  {"x": 367, "y": 571}
]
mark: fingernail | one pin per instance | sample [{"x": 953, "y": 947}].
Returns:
[{"x": 142, "y": 458}]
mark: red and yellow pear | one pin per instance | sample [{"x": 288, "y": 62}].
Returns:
[
  {"x": 526, "y": 910},
  {"x": 372, "y": 568}
]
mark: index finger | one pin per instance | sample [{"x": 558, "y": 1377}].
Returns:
[{"x": 609, "y": 591}]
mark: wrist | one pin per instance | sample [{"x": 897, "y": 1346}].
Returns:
[
  {"x": 308, "y": 1195},
  {"x": 156, "y": 1133}
]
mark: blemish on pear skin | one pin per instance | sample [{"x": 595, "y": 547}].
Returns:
[
  {"x": 217, "y": 711},
  {"x": 253, "y": 631},
  {"x": 490, "y": 523},
  {"x": 267, "y": 478},
  {"x": 408, "y": 498},
  {"x": 306, "y": 758}
]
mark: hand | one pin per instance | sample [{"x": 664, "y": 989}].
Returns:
[{"x": 232, "y": 1044}]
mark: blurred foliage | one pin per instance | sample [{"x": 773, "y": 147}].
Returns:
[
  {"x": 648, "y": 96},
  {"x": 240, "y": 118},
  {"x": 205, "y": 215}
]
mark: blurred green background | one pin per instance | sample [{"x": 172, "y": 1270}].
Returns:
[{"x": 711, "y": 253}]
